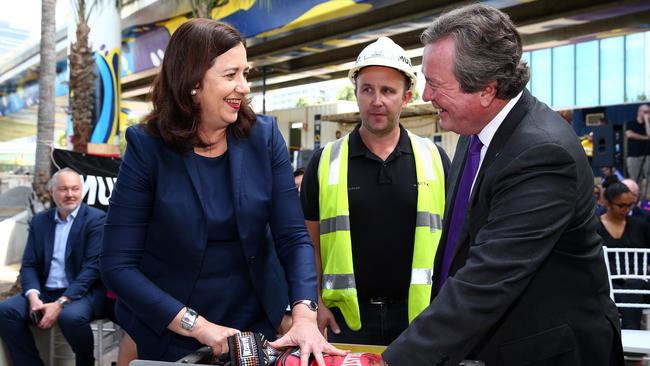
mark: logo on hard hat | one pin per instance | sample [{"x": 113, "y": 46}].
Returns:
[{"x": 405, "y": 59}]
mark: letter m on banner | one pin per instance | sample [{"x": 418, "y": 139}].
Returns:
[{"x": 98, "y": 172}]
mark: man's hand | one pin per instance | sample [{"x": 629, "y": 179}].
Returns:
[
  {"x": 51, "y": 312},
  {"x": 36, "y": 304},
  {"x": 305, "y": 334},
  {"x": 326, "y": 319}
]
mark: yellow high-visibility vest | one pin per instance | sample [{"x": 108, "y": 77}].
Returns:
[{"x": 338, "y": 285}]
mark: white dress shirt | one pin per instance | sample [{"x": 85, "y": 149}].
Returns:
[{"x": 488, "y": 132}]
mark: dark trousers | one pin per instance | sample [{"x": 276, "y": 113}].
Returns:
[
  {"x": 381, "y": 322},
  {"x": 74, "y": 322}
]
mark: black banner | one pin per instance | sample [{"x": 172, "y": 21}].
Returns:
[{"x": 99, "y": 174}]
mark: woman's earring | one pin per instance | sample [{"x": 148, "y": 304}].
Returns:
[{"x": 193, "y": 92}]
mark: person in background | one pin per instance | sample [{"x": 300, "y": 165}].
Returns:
[
  {"x": 636, "y": 210},
  {"x": 520, "y": 278},
  {"x": 297, "y": 178},
  {"x": 637, "y": 133},
  {"x": 59, "y": 275},
  {"x": 609, "y": 171},
  {"x": 374, "y": 201},
  {"x": 200, "y": 184},
  {"x": 599, "y": 200},
  {"x": 620, "y": 230}
]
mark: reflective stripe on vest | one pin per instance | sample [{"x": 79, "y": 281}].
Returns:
[{"x": 338, "y": 285}]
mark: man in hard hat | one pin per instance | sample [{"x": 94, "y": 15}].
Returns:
[{"x": 373, "y": 201}]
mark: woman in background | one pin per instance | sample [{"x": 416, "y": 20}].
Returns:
[{"x": 619, "y": 230}]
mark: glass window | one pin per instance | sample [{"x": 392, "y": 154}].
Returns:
[
  {"x": 647, "y": 69},
  {"x": 526, "y": 57},
  {"x": 563, "y": 76},
  {"x": 634, "y": 67},
  {"x": 612, "y": 59},
  {"x": 587, "y": 73},
  {"x": 541, "y": 77}
]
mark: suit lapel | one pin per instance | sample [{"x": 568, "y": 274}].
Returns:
[
  {"x": 455, "y": 171},
  {"x": 193, "y": 171},
  {"x": 497, "y": 144},
  {"x": 236, "y": 155},
  {"x": 48, "y": 244},
  {"x": 501, "y": 138},
  {"x": 75, "y": 231}
]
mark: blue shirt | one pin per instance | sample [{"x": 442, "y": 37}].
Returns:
[{"x": 57, "y": 277}]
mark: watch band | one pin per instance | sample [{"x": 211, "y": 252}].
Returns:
[
  {"x": 310, "y": 304},
  {"x": 189, "y": 319},
  {"x": 62, "y": 301}
]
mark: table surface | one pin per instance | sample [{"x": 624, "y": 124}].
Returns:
[{"x": 636, "y": 341}]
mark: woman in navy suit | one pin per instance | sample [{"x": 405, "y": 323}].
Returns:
[{"x": 202, "y": 181}]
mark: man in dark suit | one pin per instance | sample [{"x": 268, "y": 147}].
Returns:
[
  {"x": 521, "y": 279},
  {"x": 59, "y": 275}
]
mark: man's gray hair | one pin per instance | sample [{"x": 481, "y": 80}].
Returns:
[
  {"x": 52, "y": 183},
  {"x": 487, "y": 47}
]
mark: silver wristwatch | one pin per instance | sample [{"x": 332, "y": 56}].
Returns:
[
  {"x": 189, "y": 319},
  {"x": 310, "y": 304},
  {"x": 62, "y": 301}
]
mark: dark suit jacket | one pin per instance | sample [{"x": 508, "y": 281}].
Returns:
[
  {"x": 81, "y": 253},
  {"x": 529, "y": 284},
  {"x": 156, "y": 234}
]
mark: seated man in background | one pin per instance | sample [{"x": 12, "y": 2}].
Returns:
[
  {"x": 59, "y": 275},
  {"x": 636, "y": 210}
]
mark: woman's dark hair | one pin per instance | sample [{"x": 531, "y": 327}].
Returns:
[
  {"x": 615, "y": 190},
  {"x": 298, "y": 172},
  {"x": 191, "y": 51}
]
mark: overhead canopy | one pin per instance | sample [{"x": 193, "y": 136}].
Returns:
[{"x": 321, "y": 44}]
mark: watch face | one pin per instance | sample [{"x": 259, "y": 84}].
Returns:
[
  {"x": 313, "y": 306},
  {"x": 189, "y": 319}
]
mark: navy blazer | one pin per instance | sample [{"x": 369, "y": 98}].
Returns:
[
  {"x": 81, "y": 252},
  {"x": 528, "y": 285},
  {"x": 156, "y": 232}
]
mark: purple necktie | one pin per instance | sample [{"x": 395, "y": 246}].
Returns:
[{"x": 460, "y": 206}]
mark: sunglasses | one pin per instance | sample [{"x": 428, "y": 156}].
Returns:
[{"x": 623, "y": 205}]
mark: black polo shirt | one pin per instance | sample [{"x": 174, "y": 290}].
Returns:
[
  {"x": 637, "y": 147},
  {"x": 383, "y": 202}
]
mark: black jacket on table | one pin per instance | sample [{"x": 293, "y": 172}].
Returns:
[{"x": 528, "y": 285}]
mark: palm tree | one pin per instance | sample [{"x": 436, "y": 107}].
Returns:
[
  {"x": 203, "y": 8},
  {"x": 82, "y": 81},
  {"x": 46, "y": 104}
]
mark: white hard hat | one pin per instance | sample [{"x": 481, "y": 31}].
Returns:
[{"x": 384, "y": 52}]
